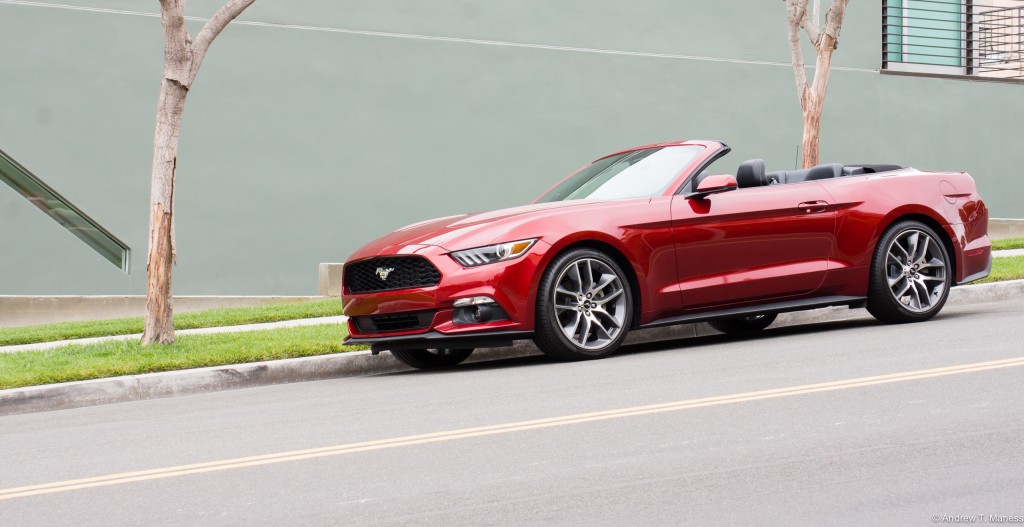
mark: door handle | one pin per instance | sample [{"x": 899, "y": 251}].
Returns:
[{"x": 810, "y": 207}]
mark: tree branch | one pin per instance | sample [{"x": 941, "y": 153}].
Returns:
[
  {"x": 828, "y": 44},
  {"x": 796, "y": 11},
  {"x": 812, "y": 31},
  {"x": 834, "y": 20},
  {"x": 177, "y": 43},
  {"x": 211, "y": 29}
]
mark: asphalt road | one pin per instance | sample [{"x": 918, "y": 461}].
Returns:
[{"x": 708, "y": 431}]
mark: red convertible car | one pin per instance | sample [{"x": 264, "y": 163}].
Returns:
[{"x": 650, "y": 237}]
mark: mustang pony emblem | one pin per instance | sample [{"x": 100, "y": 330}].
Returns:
[{"x": 383, "y": 272}]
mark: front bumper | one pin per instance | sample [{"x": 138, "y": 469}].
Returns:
[{"x": 510, "y": 284}]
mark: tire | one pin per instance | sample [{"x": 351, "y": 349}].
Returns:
[
  {"x": 744, "y": 325},
  {"x": 432, "y": 359},
  {"x": 584, "y": 306},
  {"x": 911, "y": 274}
]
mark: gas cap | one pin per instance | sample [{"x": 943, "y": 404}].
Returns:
[{"x": 948, "y": 191}]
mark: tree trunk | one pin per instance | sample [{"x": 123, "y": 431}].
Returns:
[
  {"x": 812, "y": 127},
  {"x": 182, "y": 59},
  {"x": 816, "y": 100},
  {"x": 812, "y": 96},
  {"x": 159, "y": 317}
]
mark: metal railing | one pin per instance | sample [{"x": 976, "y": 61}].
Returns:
[
  {"x": 64, "y": 212},
  {"x": 954, "y": 37}
]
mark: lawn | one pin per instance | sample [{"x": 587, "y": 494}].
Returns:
[
  {"x": 1011, "y": 268},
  {"x": 127, "y": 357},
  {"x": 1008, "y": 243},
  {"x": 197, "y": 319}
]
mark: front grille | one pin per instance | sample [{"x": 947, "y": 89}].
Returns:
[
  {"x": 387, "y": 274},
  {"x": 394, "y": 322}
]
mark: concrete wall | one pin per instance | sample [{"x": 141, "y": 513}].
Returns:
[{"x": 301, "y": 143}]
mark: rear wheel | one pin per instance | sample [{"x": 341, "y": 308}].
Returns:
[
  {"x": 584, "y": 306},
  {"x": 431, "y": 359},
  {"x": 910, "y": 274},
  {"x": 744, "y": 325}
]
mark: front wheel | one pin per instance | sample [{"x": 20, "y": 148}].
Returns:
[
  {"x": 432, "y": 359},
  {"x": 584, "y": 306},
  {"x": 744, "y": 325},
  {"x": 910, "y": 274}
]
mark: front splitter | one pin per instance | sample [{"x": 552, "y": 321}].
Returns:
[{"x": 436, "y": 340}]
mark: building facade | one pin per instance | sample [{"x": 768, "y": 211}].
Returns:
[{"x": 315, "y": 126}]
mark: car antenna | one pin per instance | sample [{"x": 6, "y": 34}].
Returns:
[{"x": 796, "y": 158}]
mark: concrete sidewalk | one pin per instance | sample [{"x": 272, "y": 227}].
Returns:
[
  {"x": 21, "y": 310},
  {"x": 360, "y": 363}
]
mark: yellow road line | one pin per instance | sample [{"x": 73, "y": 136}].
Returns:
[{"x": 465, "y": 433}]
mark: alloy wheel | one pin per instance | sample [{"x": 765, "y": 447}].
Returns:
[
  {"x": 590, "y": 303},
  {"x": 916, "y": 270}
]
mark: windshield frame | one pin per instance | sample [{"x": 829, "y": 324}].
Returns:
[{"x": 675, "y": 184}]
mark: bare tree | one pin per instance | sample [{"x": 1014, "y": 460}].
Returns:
[
  {"x": 182, "y": 58},
  {"x": 812, "y": 97}
]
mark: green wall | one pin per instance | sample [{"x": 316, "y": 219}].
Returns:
[{"x": 300, "y": 144}]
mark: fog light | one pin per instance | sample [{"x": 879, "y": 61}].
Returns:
[
  {"x": 477, "y": 310},
  {"x": 481, "y": 313}
]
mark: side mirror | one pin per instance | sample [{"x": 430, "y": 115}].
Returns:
[{"x": 713, "y": 185}]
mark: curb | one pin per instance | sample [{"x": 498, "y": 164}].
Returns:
[{"x": 363, "y": 363}]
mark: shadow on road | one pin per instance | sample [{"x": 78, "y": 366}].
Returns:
[
  {"x": 770, "y": 333},
  {"x": 828, "y": 327},
  {"x": 832, "y": 328}
]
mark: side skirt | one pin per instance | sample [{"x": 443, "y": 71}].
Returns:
[{"x": 777, "y": 307}]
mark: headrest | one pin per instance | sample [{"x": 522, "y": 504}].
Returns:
[
  {"x": 828, "y": 170},
  {"x": 751, "y": 174}
]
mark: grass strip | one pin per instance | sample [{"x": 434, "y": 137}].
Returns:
[
  {"x": 1010, "y": 268},
  {"x": 1007, "y": 243},
  {"x": 127, "y": 357},
  {"x": 232, "y": 316}
]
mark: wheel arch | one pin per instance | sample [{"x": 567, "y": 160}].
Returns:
[
  {"x": 945, "y": 234},
  {"x": 613, "y": 252}
]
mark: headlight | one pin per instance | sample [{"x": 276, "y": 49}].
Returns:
[{"x": 493, "y": 253}]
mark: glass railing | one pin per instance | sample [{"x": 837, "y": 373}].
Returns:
[{"x": 63, "y": 212}]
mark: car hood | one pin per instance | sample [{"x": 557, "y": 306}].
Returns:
[{"x": 463, "y": 231}]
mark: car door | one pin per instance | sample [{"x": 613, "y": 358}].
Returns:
[{"x": 752, "y": 244}]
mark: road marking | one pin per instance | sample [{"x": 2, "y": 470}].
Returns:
[{"x": 466, "y": 433}]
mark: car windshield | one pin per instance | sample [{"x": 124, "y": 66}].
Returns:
[{"x": 636, "y": 174}]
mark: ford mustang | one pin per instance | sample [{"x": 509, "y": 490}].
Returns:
[{"x": 667, "y": 234}]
